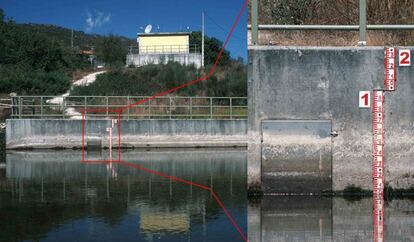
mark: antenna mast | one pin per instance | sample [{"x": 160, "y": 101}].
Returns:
[
  {"x": 71, "y": 40},
  {"x": 202, "y": 39}
]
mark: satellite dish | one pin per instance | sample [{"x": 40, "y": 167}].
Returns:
[{"x": 148, "y": 28}]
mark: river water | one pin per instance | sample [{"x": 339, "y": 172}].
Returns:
[{"x": 52, "y": 196}]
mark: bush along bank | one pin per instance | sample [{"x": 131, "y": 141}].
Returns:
[{"x": 147, "y": 80}]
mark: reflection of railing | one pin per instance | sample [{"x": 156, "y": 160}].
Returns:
[
  {"x": 164, "y": 49},
  {"x": 43, "y": 107}
]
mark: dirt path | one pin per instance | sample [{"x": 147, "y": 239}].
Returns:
[{"x": 84, "y": 81}]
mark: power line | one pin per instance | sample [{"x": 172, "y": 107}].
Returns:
[{"x": 222, "y": 28}]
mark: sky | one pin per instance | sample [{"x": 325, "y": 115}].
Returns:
[{"x": 128, "y": 17}]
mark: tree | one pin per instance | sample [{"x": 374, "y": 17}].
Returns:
[
  {"x": 1, "y": 15},
  {"x": 212, "y": 47},
  {"x": 111, "y": 51}
]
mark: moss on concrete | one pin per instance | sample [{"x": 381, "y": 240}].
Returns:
[{"x": 254, "y": 193}]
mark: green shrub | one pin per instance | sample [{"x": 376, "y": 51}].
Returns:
[{"x": 151, "y": 79}]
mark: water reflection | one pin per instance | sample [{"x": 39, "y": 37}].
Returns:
[
  {"x": 304, "y": 218},
  {"x": 52, "y": 196}
]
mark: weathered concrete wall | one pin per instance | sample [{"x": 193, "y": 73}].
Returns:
[
  {"x": 301, "y": 161},
  {"x": 146, "y": 59},
  {"x": 322, "y": 83},
  {"x": 36, "y": 133}
]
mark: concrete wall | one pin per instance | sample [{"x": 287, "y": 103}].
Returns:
[
  {"x": 146, "y": 59},
  {"x": 37, "y": 133},
  {"x": 322, "y": 83}
]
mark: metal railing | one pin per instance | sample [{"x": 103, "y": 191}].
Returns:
[
  {"x": 5, "y": 103},
  {"x": 164, "y": 49},
  {"x": 362, "y": 27},
  {"x": 104, "y": 107}
]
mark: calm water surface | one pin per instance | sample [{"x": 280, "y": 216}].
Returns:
[{"x": 51, "y": 196}]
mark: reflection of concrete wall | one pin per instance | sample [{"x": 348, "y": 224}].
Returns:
[
  {"x": 313, "y": 83},
  {"x": 181, "y": 163},
  {"x": 292, "y": 218},
  {"x": 303, "y": 218},
  {"x": 352, "y": 220},
  {"x": 34, "y": 133},
  {"x": 146, "y": 59}
]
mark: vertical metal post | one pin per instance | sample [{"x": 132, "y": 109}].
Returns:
[
  {"x": 231, "y": 108},
  {"x": 63, "y": 107},
  {"x": 128, "y": 103},
  {"x": 211, "y": 108},
  {"x": 191, "y": 108},
  {"x": 85, "y": 105},
  {"x": 170, "y": 107},
  {"x": 13, "y": 104},
  {"x": 362, "y": 22},
  {"x": 41, "y": 107},
  {"x": 149, "y": 109},
  {"x": 107, "y": 106},
  {"x": 20, "y": 107},
  {"x": 202, "y": 40},
  {"x": 255, "y": 25}
]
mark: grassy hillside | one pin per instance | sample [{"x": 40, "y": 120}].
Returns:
[
  {"x": 38, "y": 59},
  {"x": 80, "y": 39},
  {"x": 148, "y": 80}
]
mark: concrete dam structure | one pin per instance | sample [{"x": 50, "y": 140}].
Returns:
[
  {"x": 307, "y": 133},
  {"x": 63, "y": 133}
]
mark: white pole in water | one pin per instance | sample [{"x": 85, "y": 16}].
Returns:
[{"x": 110, "y": 143}]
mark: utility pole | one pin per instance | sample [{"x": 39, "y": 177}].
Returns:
[
  {"x": 202, "y": 39},
  {"x": 71, "y": 40}
]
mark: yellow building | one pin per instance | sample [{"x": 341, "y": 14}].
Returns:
[
  {"x": 161, "y": 48},
  {"x": 164, "y": 43}
]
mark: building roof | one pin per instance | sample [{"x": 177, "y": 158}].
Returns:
[{"x": 163, "y": 34}]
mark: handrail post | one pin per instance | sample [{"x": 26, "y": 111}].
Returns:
[
  {"x": 362, "y": 22},
  {"x": 128, "y": 103},
  {"x": 63, "y": 106},
  {"x": 191, "y": 107},
  {"x": 170, "y": 107},
  {"x": 211, "y": 108},
  {"x": 20, "y": 107},
  {"x": 107, "y": 107},
  {"x": 231, "y": 108},
  {"x": 149, "y": 109},
  {"x": 255, "y": 25},
  {"x": 84, "y": 106},
  {"x": 41, "y": 107},
  {"x": 14, "y": 104}
]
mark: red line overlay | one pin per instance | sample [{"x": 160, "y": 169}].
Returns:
[{"x": 160, "y": 94}]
